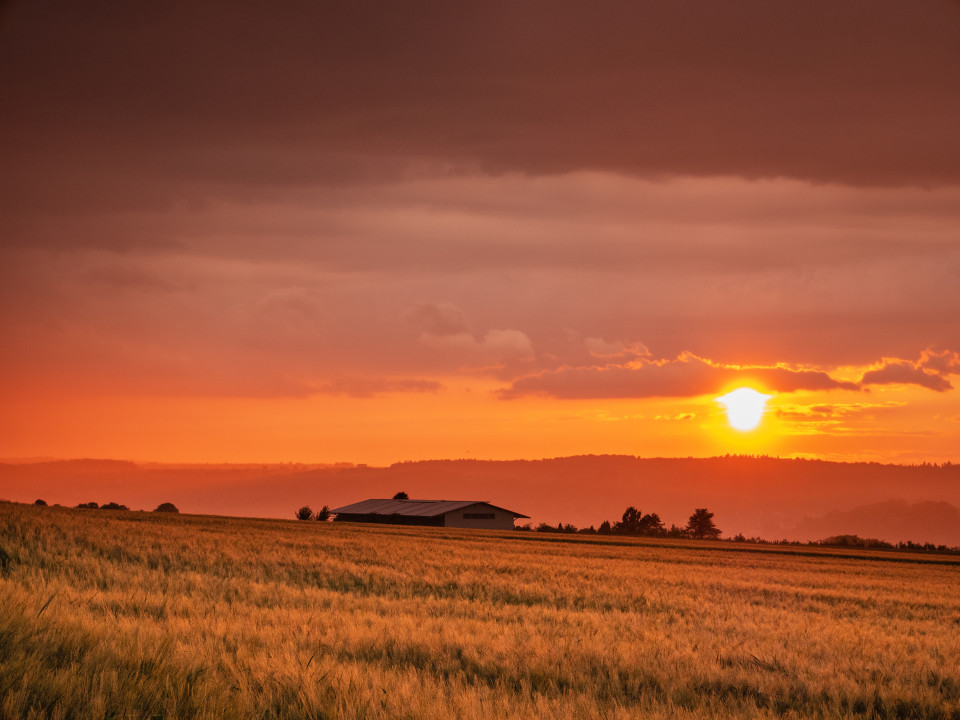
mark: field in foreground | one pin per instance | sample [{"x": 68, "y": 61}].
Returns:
[{"x": 135, "y": 615}]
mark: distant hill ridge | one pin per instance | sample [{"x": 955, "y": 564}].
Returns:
[{"x": 76, "y": 464}]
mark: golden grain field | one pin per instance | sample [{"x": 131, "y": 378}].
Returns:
[{"x": 135, "y": 615}]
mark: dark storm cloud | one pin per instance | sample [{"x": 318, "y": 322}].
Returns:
[{"x": 113, "y": 104}]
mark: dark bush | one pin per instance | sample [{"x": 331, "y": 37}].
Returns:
[
  {"x": 304, "y": 513},
  {"x": 92, "y": 505},
  {"x": 401, "y": 496},
  {"x": 114, "y": 506},
  {"x": 323, "y": 514},
  {"x": 40, "y": 501},
  {"x": 166, "y": 507}
]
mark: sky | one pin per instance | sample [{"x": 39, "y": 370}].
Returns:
[{"x": 373, "y": 231}]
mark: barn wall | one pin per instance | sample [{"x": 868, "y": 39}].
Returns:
[{"x": 459, "y": 518}]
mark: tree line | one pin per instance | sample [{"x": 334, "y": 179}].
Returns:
[
  {"x": 167, "y": 507},
  {"x": 633, "y": 522}
]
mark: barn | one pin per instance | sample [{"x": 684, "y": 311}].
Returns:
[{"x": 436, "y": 513}]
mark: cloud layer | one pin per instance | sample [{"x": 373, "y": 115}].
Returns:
[
  {"x": 140, "y": 108},
  {"x": 217, "y": 202},
  {"x": 930, "y": 371},
  {"x": 512, "y": 276},
  {"x": 689, "y": 375}
]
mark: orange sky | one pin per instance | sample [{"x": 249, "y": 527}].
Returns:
[{"x": 241, "y": 234}]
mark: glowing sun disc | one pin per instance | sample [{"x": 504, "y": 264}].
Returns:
[{"x": 745, "y": 407}]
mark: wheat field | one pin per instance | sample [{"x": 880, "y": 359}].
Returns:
[{"x": 139, "y": 615}]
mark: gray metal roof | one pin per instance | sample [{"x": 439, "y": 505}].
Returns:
[{"x": 420, "y": 508}]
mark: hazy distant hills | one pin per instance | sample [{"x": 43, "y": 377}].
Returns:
[
  {"x": 767, "y": 497},
  {"x": 926, "y": 522}
]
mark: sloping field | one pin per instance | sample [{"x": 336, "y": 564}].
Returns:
[{"x": 135, "y": 615}]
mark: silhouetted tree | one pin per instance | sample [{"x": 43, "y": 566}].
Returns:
[
  {"x": 634, "y": 522},
  {"x": 676, "y": 532},
  {"x": 323, "y": 514},
  {"x": 40, "y": 501},
  {"x": 401, "y": 496},
  {"x": 629, "y": 523},
  {"x": 605, "y": 528},
  {"x": 304, "y": 513},
  {"x": 114, "y": 506},
  {"x": 92, "y": 505},
  {"x": 652, "y": 525},
  {"x": 700, "y": 525},
  {"x": 167, "y": 507}
]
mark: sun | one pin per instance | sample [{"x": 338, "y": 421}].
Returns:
[{"x": 745, "y": 407}]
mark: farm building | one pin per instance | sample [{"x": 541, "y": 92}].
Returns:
[{"x": 438, "y": 513}]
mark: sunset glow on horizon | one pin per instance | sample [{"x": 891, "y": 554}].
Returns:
[{"x": 464, "y": 234}]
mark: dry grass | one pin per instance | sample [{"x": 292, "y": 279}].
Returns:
[{"x": 133, "y": 615}]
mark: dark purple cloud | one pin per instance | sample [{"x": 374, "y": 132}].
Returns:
[
  {"x": 113, "y": 104},
  {"x": 905, "y": 372},
  {"x": 689, "y": 375},
  {"x": 686, "y": 376},
  {"x": 943, "y": 362}
]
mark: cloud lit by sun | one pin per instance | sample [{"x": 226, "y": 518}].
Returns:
[{"x": 744, "y": 407}]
